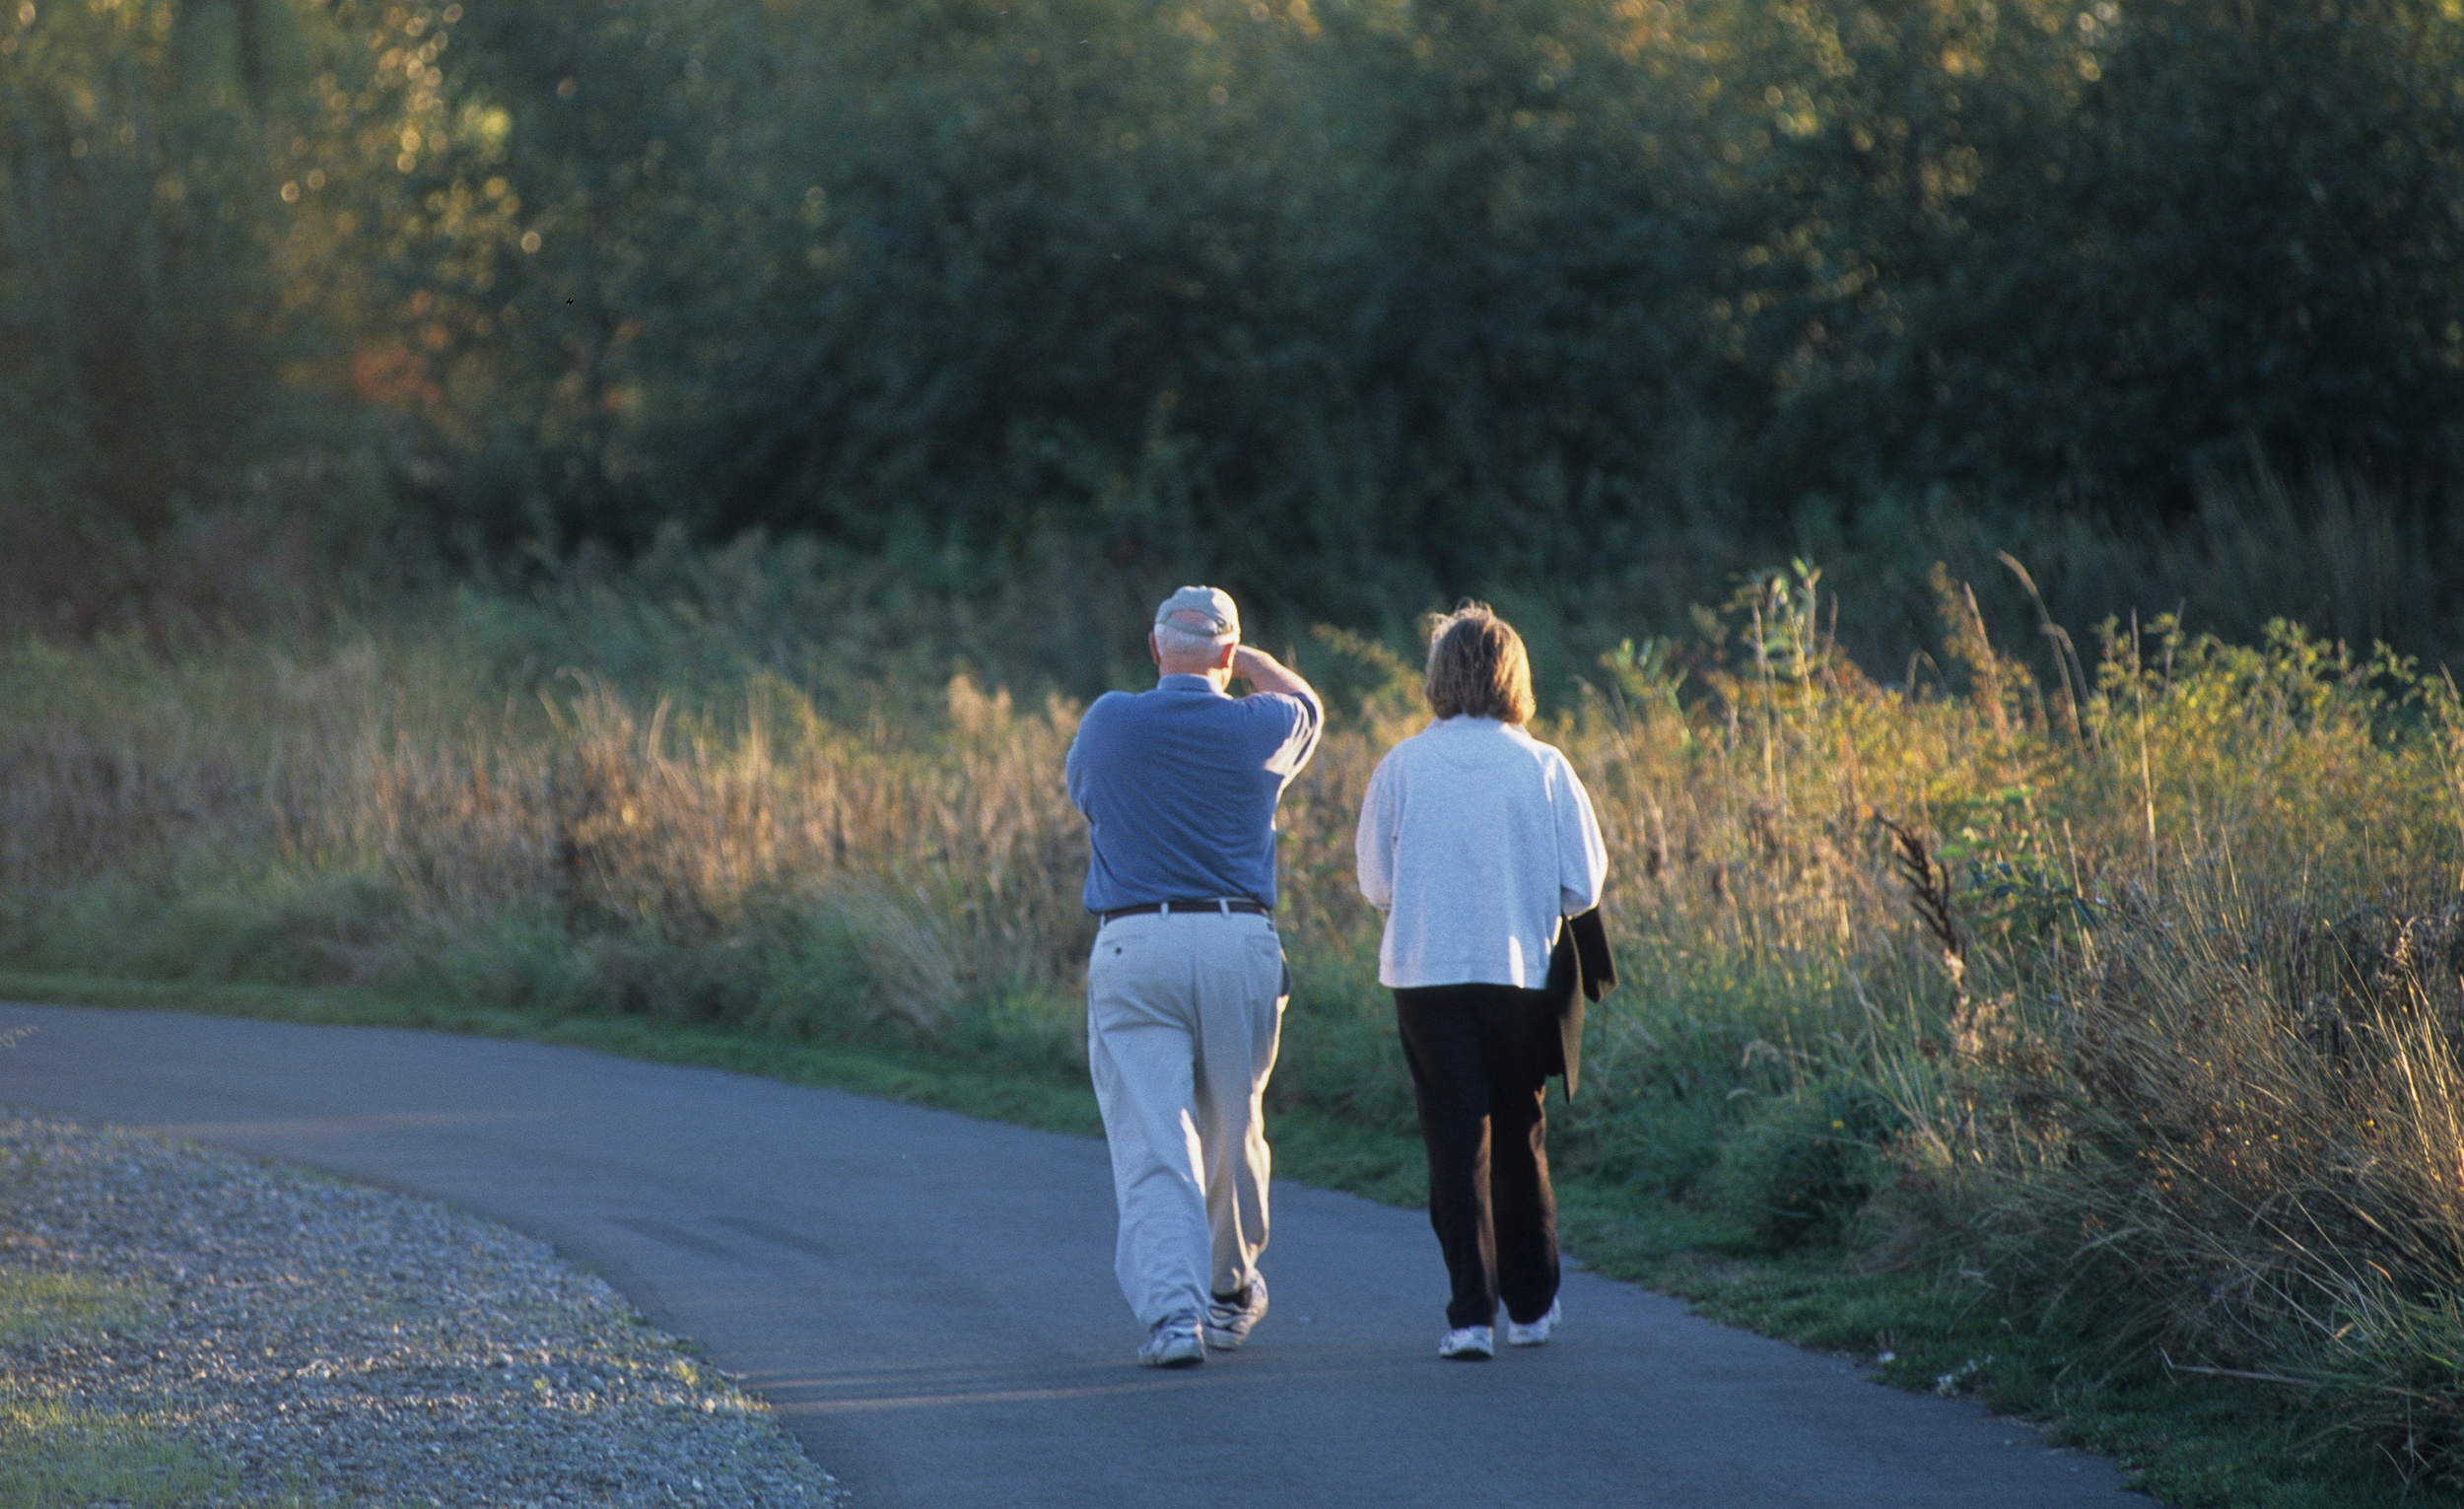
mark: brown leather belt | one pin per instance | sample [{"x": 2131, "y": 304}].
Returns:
[{"x": 1166, "y": 908}]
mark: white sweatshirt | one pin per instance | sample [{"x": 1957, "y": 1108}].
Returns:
[{"x": 1475, "y": 839}]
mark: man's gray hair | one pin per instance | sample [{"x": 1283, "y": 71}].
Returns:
[{"x": 1171, "y": 637}]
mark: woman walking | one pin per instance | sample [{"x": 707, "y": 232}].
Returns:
[{"x": 1477, "y": 840}]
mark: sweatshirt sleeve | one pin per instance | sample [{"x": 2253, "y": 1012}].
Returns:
[
  {"x": 1373, "y": 842},
  {"x": 1582, "y": 854}
]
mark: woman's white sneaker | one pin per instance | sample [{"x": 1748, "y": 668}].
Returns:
[
  {"x": 1533, "y": 1335},
  {"x": 1468, "y": 1344}
]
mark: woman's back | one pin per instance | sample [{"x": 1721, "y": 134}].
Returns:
[{"x": 1475, "y": 838}]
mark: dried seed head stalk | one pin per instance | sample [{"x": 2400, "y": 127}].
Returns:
[{"x": 1929, "y": 892}]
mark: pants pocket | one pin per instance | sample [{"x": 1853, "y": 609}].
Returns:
[{"x": 1266, "y": 952}]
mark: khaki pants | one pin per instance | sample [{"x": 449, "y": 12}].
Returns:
[{"x": 1182, "y": 1014}]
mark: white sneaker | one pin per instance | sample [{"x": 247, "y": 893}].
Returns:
[
  {"x": 1537, "y": 1332},
  {"x": 1468, "y": 1344},
  {"x": 1172, "y": 1343},
  {"x": 1227, "y": 1320}
]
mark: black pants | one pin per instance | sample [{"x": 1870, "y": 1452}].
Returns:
[{"x": 1475, "y": 1053}]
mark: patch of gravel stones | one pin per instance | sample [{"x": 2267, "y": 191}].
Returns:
[{"x": 327, "y": 1343}]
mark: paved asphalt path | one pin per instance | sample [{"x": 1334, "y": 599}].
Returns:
[{"x": 926, "y": 1300}]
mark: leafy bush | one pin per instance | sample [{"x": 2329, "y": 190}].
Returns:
[{"x": 1803, "y": 1166}]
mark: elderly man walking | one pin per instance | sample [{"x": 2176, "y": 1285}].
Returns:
[{"x": 1185, "y": 986}]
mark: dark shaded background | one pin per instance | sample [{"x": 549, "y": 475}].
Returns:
[{"x": 992, "y": 317}]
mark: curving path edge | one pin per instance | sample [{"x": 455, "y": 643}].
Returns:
[{"x": 926, "y": 1300}]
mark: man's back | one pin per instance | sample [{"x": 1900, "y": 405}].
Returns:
[{"x": 1179, "y": 787}]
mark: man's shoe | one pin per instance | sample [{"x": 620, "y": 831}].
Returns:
[
  {"x": 1468, "y": 1344},
  {"x": 1534, "y": 1334},
  {"x": 1229, "y": 1316},
  {"x": 1174, "y": 1342}
]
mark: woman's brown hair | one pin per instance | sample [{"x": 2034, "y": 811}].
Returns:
[{"x": 1478, "y": 667}]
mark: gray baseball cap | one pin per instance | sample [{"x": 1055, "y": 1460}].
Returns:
[{"x": 1203, "y": 610}]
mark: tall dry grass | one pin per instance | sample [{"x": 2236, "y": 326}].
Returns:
[
  {"x": 2222, "y": 1125},
  {"x": 2124, "y": 982},
  {"x": 2196, "y": 1090},
  {"x": 637, "y": 834}
]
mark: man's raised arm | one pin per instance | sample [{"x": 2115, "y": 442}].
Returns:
[{"x": 1267, "y": 674}]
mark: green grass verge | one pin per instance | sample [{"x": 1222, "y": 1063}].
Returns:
[
  {"x": 55, "y": 1458},
  {"x": 2196, "y": 1443},
  {"x": 39, "y": 1307},
  {"x": 54, "y": 1455}
]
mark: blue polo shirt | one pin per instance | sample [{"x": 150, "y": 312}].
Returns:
[{"x": 1179, "y": 787}]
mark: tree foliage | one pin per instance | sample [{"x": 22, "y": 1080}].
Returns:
[{"x": 1354, "y": 303}]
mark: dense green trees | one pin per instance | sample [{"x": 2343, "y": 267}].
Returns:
[
  {"x": 138, "y": 321},
  {"x": 2090, "y": 246},
  {"x": 1356, "y": 303}
]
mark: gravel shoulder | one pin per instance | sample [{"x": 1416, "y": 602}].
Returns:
[{"x": 248, "y": 1333}]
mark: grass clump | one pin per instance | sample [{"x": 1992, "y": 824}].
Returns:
[
  {"x": 1800, "y": 1167},
  {"x": 37, "y": 1307},
  {"x": 54, "y": 1457},
  {"x": 55, "y": 1453}
]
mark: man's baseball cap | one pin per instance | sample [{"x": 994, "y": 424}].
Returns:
[{"x": 1203, "y": 610}]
